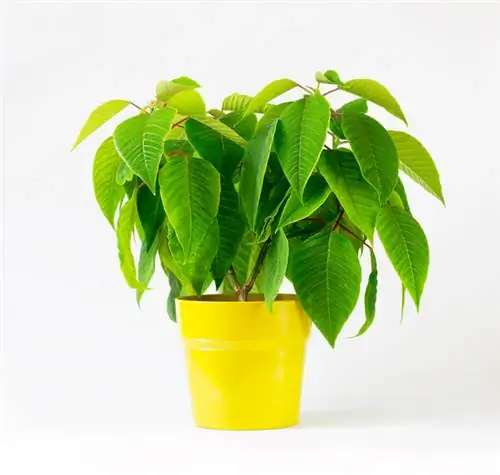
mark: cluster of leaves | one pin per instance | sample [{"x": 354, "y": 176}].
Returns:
[{"x": 257, "y": 191}]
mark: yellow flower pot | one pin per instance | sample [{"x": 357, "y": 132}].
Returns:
[{"x": 244, "y": 363}]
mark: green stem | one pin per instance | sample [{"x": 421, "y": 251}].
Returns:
[{"x": 247, "y": 287}]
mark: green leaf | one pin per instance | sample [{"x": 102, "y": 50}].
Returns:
[
  {"x": 396, "y": 201},
  {"x": 376, "y": 93},
  {"x": 181, "y": 148},
  {"x": 124, "y": 231},
  {"x": 139, "y": 141},
  {"x": 146, "y": 267},
  {"x": 328, "y": 77},
  {"x": 352, "y": 233},
  {"x": 240, "y": 103},
  {"x": 405, "y": 243},
  {"x": 357, "y": 197},
  {"x": 100, "y": 116},
  {"x": 222, "y": 129},
  {"x": 242, "y": 125},
  {"x": 270, "y": 92},
  {"x": 272, "y": 202},
  {"x": 274, "y": 268},
  {"x": 315, "y": 194},
  {"x": 326, "y": 274},
  {"x": 174, "y": 292},
  {"x": 151, "y": 214},
  {"x": 123, "y": 173},
  {"x": 357, "y": 106},
  {"x": 302, "y": 135},
  {"x": 107, "y": 192},
  {"x": 370, "y": 295},
  {"x": 167, "y": 89},
  {"x": 417, "y": 163},
  {"x": 190, "y": 190},
  {"x": 272, "y": 113},
  {"x": 246, "y": 256},
  {"x": 188, "y": 102},
  {"x": 232, "y": 227},
  {"x": 253, "y": 171},
  {"x": 400, "y": 190},
  {"x": 375, "y": 152}
]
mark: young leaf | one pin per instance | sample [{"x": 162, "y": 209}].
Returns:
[
  {"x": 190, "y": 191},
  {"x": 357, "y": 197},
  {"x": 370, "y": 295},
  {"x": 376, "y": 93},
  {"x": 315, "y": 194},
  {"x": 139, "y": 141},
  {"x": 123, "y": 173},
  {"x": 270, "y": 92},
  {"x": 405, "y": 243},
  {"x": 417, "y": 163},
  {"x": 326, "y": 274},
  {"x": 274, "y": 268},
  {"x": 151, "y": 214},
  {"x": 222, "y": 129},
  {"x": 395, "y": 200},
  {"x": 99, "y": 117},
  {"x": 124, "y": 230},
  {"x": 240, "y": 103},
  {"x": 375, "y": 152},
  {"x": 253, "y": 170},
  {"x": 301, "y": 139},
  {"x": 107, "y": 192},
  {"x": 181, "y": 148},
  {"x": 146, "y": 267},
  {"x": 188, "y": 102},
  {"x": 167, "y": 89},
  {"x": 270, "y": 208},
  {"x": 328, "y": 77},
  {"x": 232, "y": 227}
]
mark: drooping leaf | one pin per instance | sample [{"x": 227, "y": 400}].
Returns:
[
  {"x": 370, "y": 295},
  {"x": 139, "y": 141},
  {"x": 167, "y": 89},
  {"x": 315, "y": 194},
  {"x": 100, "y": 116},
  {"x": 242, "y": 125},
  {"x": 124, "y": 173},
  {"x": 222, "y": 129},
  {"x": 403, "y": 301},
  {"x": 417, "y": 163},
  {"x": 400, "y": 190},
  {"x": 188, "y": 102},
  {"x": 151, "y": 214},
  {"x": 273, "y": 271},
  {"x": 190, "y": 190},
  {"x": 326, "y": 274},
  {"x": 107, "y": 192},
  {"x": 270, "y": 92},
  {"x": 357, "y": 197},
  {"x": 376, "y": 93},
  {"x": 253, "y": 170},
  {"x": 357, "y": 106},
  {"x": 124, "y": 230},
  {"x": 146, "y": 268},
  {"x": 405, "y": 243},
  {"x": 174, "y": 292},
  {"x": 375, "y": 152},
  {"x": 302, "y": 135},
  {"x": 232, "y": 227}
]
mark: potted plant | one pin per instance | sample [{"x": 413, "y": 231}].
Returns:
[{"x": 242, "y": 197}]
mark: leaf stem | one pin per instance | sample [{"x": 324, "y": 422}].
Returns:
[
  {"x": 337, "y": 222},
  {"x": 138, "y": 107},
  {"x": 179, "y": 122},
  {"x": 245, "y": 290},
  {"x": 330, "y": 91},
  {"x": 348, "y": 231},
  {"x": 231, "y": 275}
]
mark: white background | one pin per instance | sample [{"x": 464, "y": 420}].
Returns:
[{"x": 93, "y": 385}]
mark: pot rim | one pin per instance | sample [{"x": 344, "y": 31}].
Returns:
[{"x": 233, "y": 299}]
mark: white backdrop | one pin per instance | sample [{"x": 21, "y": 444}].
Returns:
[{"x": 82, "y": 365}]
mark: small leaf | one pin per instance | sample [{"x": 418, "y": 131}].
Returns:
[
  {"x": 302, "y": 135},
  {"x": 274, "y": 268},
  {"x": 405, "y": 243},
  {"x": 357, "y": 197},
  {"x": 328, "y": 77},
  {"x": 107, "y": 192},
  {"x": 139, "y": 141},
  {"x": 396, "y": 201},
  {"x": 253, "y": 170},
  {"x": 240, "y": 103},
  {"x": 151, "y": 214},
  {"x": 315, "y": 194},
  {"x": 417, "y": 163},
  {"x": 188, "y": 102},
  {"x": 174, "y": 292},
  {"x": 124, "y": 173},
  {"x": 400, "y": 190},
  {"x": 222, "y": 129},
  {"x": 375, "y": 152},
  {"x": 190, "y": 191},
  {"x": 376, "y": 93},
  {"x": 326, "y": 274},
  {"x": 146, "y": 267},
  {"x": 370, "y": 295},
  {"x": 167, "y": 89},
  {"x": 270, "y": 92},
  {"x": 270, "y": 208},
  {"x": 100, "y": 116}
]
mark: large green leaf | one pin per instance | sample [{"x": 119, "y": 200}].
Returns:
[
  {"x": 222, "y": 129},
  {"x": 100, "y": 116},
  {"x": 375, "y": 152},
  {"x": 370, "y": 295},
  {"x": 139, "y": 141},
  {"x": 326, "y": 274},
  {"x": 124, "y": 231},
  {"x": 146, "y": 267},
  {"x": 190, "y": 190},
  {"x": 270, "y": 92},
  {"x": 357, "y": 197},
  {"x": 315, "y": 194},
  {"x": 274, "y": 268},
  {"x": 108, "y": 193},
  {"x": 232, "y": 227},
  {"x": 253, "y": 171},
  {"x": 417, "y": 163},
  {"x": 167, "y": 89},
  {"x": 376, "y": 93},
  {"x": 301, "y": 136},
  {"x": 151, "y": 214},
  {"x": 405, "y": 243},
  {"x": 188, "y": 102}
]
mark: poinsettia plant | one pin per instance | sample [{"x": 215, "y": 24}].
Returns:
[{"x": 258, "y": 191}]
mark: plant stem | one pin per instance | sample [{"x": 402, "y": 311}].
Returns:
[
  {"x": 337, "y": 222},
  {"x": 245, "y": 290},
  {"x": 138, "y": 107},
  {"x": 180, "y": 122},
  {"x": 330, "y": 91},
  {"x": 348, "y": 231},
  {"x": 231, "y": 275}
]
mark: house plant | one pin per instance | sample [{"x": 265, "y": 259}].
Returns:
[{"x": 241, "y": 198}]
